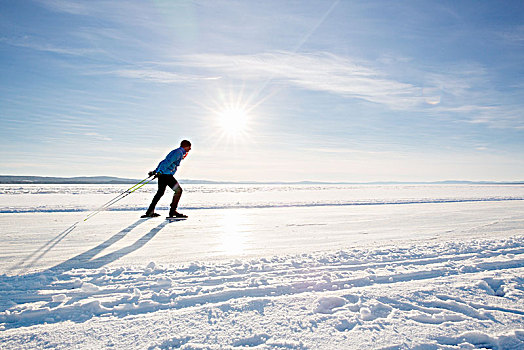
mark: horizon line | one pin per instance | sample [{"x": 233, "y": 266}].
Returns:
[{"x": 102, "y": 179}]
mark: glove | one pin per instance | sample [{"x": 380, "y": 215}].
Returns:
[{"x": 152, "y": 173}]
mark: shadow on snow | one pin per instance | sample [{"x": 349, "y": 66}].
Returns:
[
  {"x": 25, "y": 289},
  {"x": 85, "y": 260}
]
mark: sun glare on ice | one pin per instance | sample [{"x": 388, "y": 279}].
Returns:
[{"x": 233, "y": 232}]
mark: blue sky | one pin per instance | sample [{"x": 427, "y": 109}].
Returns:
[{"x": 326, "y": 90}]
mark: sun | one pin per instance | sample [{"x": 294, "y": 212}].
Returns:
[
  {"x": 233, "y": 120},
  {"x": 232, "y": 116}
]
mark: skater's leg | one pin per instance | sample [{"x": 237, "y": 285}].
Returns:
[
  {"x": 162, "y": 184},
  {"x": 176, "y": 198}
]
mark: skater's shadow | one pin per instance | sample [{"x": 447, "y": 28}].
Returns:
[
  {"x": 22, "y": 289},
  {"x": 85, "y": 260}
]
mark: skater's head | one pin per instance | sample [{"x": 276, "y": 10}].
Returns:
[{"x": 186, "y": 145}]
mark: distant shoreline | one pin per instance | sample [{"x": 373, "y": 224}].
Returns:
[{"x": 109, "y": 180}]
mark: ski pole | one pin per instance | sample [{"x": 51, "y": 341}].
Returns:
[{"x": 121, "y": 196}]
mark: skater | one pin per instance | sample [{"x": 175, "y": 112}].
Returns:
[{"x": 164, "y": 172}]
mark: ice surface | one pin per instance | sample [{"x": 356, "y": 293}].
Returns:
[{"x": 285, "y": 267}]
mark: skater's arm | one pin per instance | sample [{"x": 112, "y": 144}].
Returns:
[{"x": 176, "y": 156}]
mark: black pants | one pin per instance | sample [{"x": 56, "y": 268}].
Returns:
[{"x": 163, "y": 182}]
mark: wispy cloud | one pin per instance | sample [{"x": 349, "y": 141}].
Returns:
[
  {"x": 344, "y": 151},
  {"x": 46, "y": 47},
  {"x": 66, "y": 6},
  {"x": 501, "y": 117},
  {"x": 131, "y": 14},
  {"x": 97, "y": 136},
  {"x": 453, "y": 92},
  {"x": 515, "y": 35},
  {"x": 316, "y": 71},
  {"x": 160, "y": 76}
]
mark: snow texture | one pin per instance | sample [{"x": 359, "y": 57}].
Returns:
[{"x": 428, "y": 275}]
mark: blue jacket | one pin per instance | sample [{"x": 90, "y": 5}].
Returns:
[{"x": 172, "y": 161}]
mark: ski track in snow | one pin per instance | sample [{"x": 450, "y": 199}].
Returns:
[{"x": 461, "y": 291}]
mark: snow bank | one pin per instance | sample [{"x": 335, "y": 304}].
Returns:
[{"x": 419, "y": 295}]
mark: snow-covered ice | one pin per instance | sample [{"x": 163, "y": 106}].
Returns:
[{"x": 264, "y": 266}]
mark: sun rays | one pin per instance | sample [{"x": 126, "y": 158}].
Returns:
[{"x": 232, "y": 116}]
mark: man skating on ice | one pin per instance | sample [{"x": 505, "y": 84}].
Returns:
[{"x": 164, "y": 172}]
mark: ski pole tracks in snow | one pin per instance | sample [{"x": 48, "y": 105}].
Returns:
[
  {"x": 38, "y": 254},
  {"x": 428, "y": 294}
]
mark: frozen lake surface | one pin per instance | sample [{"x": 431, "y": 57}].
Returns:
[{"x": 266, "y": 266}]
